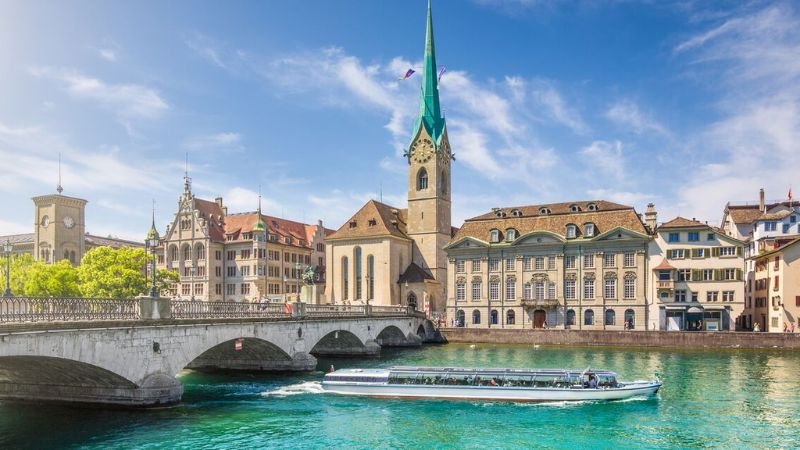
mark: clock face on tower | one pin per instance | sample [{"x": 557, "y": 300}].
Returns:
[
  {"x": 422, "y": 151},
  {"x": 69, "y": 222}
]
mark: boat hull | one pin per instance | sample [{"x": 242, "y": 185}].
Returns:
[{"x": 491, "y": 393}]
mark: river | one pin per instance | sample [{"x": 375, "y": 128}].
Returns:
[{"x": 711, "y": 398}]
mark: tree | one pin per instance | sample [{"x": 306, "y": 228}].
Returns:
[
  {"x": 20, "y": 265},
  {"x": 113, "y": 273},
  {"x": 165, "y": 279},
  {"x": 52, "y": 280}
]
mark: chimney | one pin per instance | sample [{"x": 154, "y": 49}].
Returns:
[
  {"x": 650, "y": 217},
  {"x": 761, "y": 204},
  {"x": 219, "y": 201},
  {"x": 224, "y": 210}
]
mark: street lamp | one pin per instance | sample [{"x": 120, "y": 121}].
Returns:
[
  {"x": 7, "y": 247},
  {"x": 152, "y": 242},
  {"x": 297, "y": 281}
]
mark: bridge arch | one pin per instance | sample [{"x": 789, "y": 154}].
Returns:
[
  {"x": 244, "y": 353},
  {"x": 343, "y": 343}
]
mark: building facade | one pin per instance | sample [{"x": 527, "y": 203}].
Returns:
[
  {"x": 238, "y": 257},
  {"x": 697, "y": 277},
  {"x": 578, "y": 265},
  {"x": 775, "y": 290},
  {"x": 385, "y": 255}
]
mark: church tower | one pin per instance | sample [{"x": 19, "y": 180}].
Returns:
[{"x": 429, "y": 160}]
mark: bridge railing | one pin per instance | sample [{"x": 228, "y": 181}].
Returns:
[
  {"x": 335, "y": 310},
  {"x": 51, "y": 309},
  {"x": 230, "y": 310}
]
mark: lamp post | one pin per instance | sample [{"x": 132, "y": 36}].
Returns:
[
  {"x": 297, "y": 267},
  {"x": 7, "y": 247},
  {"x": 152, "y": 242}
]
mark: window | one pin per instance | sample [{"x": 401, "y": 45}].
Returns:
[
  {"x": 186, "y": 289},
  {"x": 510, "y": 318},
  {"x": 509, "y": 263},
  {"x": 694, "y": 236},
  {"x": 551, "y": 290},
  {"x": 711, "y": 236},
  {"x": 511, "y": 289},
  {"x": 526, "y": 263},
  {"x": 370, "y": 277},
  {"x": 588, "y": 289},
  {"x": 460, "y": 263},
  {"x": 574, "y": 208},
  {"x": 539, "y": 290},
  {"x": 588, "y": 261},
  {"x": 589, "y": 230},
  {"x": 476, "y": 317},
  {"x": 494, "y": 290},
  {"x": 494, "y": 265},
  {"x": 785, "y": 228},
  {"x": 571, "y": 317},
  {"x": 461, "y": 291},
  {"x": 588, "y": 317},
  {"x": 777, "y": 263},
  {"x": 357, "y": 272},
  {"x": 610, "y": 289},
  {"x": 609, "y": 260},
  {"x": 680, "y": 295},
  {"x": 729, "y": 274},
  {"x": 630, "y": 259},
  {"x": 494, "y": 236},
  {"x": 476, "y": 265},
  {"x": 245, "y": 271},
  {"x": 694, "y": 297},
  {"x": 727, "y": 296},
  {"x": 198, "y": 288},
  {"x": 727, "y": 251},
  {"x": 511, "y": 234},
  {"x": 770, "y": 226},
  {"x": 544, "y": 211},
  {"x": 700, "y": 253},
  {"x": 527, "y": 292},
  {"x": 630, "y": 319},
  {"x": 677, "y": 253},
  {"x": 230, "y": 289},
  {"x": 711, "y": 296},
  {"x": 708, "y": 274},
  {"x": 571, "y": 231},
  {"x": 422, "y": 179},
  {"x": 231, "y": 271},
  {"x": 684, "y": 275},
  {"x": 664, "y": 275},
  {"x": 246, "y": 254},
  {"x": 611, "y": 317},
  {"x": 476, "y": 290},
  {"x": 539, "y": 263},
  {"x": 345, "y": 279},
  {"x": 569, "y": 261},
  {"x": 775, "y": 286},
  {"x": 551, "y": 263},
  {"x": 569, "y": 289},
  {"x": 674, "y": 237},
  {"x": 218, "y": 289},
  {"x": 630, "y": 288},
  {"x": 231, "y": 255},
  {"x": 792, "y": 219},
  {"x": 493, "y": 317}
]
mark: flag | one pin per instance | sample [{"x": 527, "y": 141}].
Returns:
[
  {"x": 441, "y": 72},
  {"x": 790, "y": 193},
  {"x": 408, "y": 74}
]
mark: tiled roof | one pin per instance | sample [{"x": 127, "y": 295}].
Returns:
[
  {"x": 664, "y": 265},
  {"x": 681, "y": 222},
  {"x": 777, "y": 250},
  {"x": 214, "y": 216},
  {"x": 774, "y": 216},
  {"x": 607, "y": 217},
  {"x": 236, "y": 224},
  {"x": 414, "y": 274},
  {"x": 554, "y": 209},
  {"x": 111, "y": 242},
  {"x": 15, "y": 239},
  {"x": 372, "y": 220}
]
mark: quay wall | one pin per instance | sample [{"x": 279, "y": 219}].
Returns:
[{"x": 681, "y": 339}]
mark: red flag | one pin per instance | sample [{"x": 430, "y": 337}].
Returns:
[{"x": 790, "y": 193}]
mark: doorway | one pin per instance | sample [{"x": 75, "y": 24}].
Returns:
[{"x": 539, "y": 318}]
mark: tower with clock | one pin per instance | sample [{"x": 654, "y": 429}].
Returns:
[{"x": 59, "y": 228}]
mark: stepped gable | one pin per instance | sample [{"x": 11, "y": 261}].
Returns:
[
  {"x": 682, "y": 222},
  {"x": 372, "y": 220},
  {"x": 554, "y": 218}
]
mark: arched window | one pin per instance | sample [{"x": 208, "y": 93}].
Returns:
[
  {"x": 370, "y": 277},
  {"x": 66, "y": 254},
  {"x": 510, "y": 318},
  {"x": 460, "y": 319},
  {"x": 588, "y": 317},
  {"x": 476, "y": 317},
  {"x": 611, "y": 317},
  {"x": 200, "y": 252},
  {"x": 571, "y": 317},
  {"x": 630, "y": 319},
  {"x": 357, "y": 272},
  {"x": 443, "y": 183},
  {"x": 493, "y": 317},
  {"x": 422, "y": 179},
  {"x": 412, "y": 299},
  {"x": 589, "y": 229},
  {"x": 187, "y": 253},
  {"x": 574, "y": 208},
  {"x": 544, "y": 210},
  {"x": 511, "y": 234},
  {"x": 345, "y": 279},
  {"x": 173, "y": 253}
]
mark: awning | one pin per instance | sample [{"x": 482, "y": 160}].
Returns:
[
  {"x": 715, "y": 308},
  {"x": 695, "y": 309},
  {"x": 675, "y": 308}
]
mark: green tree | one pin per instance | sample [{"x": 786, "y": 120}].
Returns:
[
  {"x": 165, "y": 279},
  {"x": 52, "y": 280},
  {"x": 113, "y": 273},
  {"x": 20, "y": 265}
]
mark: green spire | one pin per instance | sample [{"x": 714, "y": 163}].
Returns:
[
  {"x": 260, "y": 226},
  {"x": 430, "y": 114},
  {"x": 153, "y": 233}
]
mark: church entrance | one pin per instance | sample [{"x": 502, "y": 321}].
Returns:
[{"x": 539, "y": 318}]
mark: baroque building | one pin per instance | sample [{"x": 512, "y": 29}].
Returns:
[
  {"x": 238, "y": 257},
  {"x": 386, "y": 255},
  {"x": 578, "y": 265}
]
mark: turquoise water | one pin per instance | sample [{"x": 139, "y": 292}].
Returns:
[{"x": 714, "y": 398}]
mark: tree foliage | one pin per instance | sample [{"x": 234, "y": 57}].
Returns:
[
  {"x": 20, "y": 264},
  {"x": 165, "y": 279},
  {"x": 52, "y": 280},
  {"x": 113, "y": 273}
]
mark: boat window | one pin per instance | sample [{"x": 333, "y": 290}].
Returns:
[{"x": 606, "y": 381}]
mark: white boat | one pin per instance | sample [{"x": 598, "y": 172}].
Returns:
[{"x": 516, "y": 385}]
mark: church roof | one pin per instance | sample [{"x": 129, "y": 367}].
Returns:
[
  {"x": 414, "y": 274},
  {"x": 372, "y": 220},
  {"x": 430, "y": 113}
]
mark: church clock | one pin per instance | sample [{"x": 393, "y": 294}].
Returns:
[{"x": 422, "y": 151}]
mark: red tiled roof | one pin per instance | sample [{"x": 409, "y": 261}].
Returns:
[
  {"x": 681, "y": 222},
  {"x": 374, "y": 219},
  {"x": 664, "y": 265}
]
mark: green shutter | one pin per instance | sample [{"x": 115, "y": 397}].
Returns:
[
  {"x": 718, "y": 275},
  {"x": 697, "y": 274},
  {"x": 739, "y": 273},
  {"x": 706, "y": 253},
  {"x": 738, "y": 251},
  {"x": 715, "y": 251}
]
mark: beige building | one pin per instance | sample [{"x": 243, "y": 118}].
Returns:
[
  {"x": 239, "y": 257},
  {"x": 579, "y": 265},
  {"x": 59, "y": 231},
  {"x": 697, "y": 277},
  {"x": 775, "y": 289},
  {"x": 385, "y": 255}
]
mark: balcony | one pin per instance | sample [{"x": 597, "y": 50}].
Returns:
[
  {"x": 541, "y": 303},
  {"x": 665, "y": 284}
]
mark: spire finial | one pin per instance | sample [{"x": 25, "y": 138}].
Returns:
[
  {"x": 58, "y": 187},
  {"x": 260, "y": 226},
  {"x": 187, "y": 182},
  {"x": 430, "y": 114}
]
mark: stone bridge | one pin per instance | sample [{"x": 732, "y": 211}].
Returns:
[{"x": 133, "y": 361}]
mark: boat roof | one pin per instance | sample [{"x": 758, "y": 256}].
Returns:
[{"x": 466, "y": 370}]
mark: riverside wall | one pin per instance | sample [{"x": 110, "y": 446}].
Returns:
[{"x": 695, "y": 339}]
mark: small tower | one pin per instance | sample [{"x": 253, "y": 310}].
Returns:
[
  {"x": 651, "y": 217},
  {"x": 59, "y": 226}
]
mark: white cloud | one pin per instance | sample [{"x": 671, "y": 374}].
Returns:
[
  {"x": 607, "y": 157},
  {"x": 11, "y": 227},
  {"x": 216, "y": 141},
  {"x": 627, "y": 114},
  {"x": 128, "y": 100},
  {"x": 107, "y": 54},
  {"x": 556, "y": 107},
  {"x": 242, "y": 199}
]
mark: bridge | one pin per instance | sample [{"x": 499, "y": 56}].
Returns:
[{"x": 128, "y": 351}]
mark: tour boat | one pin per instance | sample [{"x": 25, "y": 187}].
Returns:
[{"x": 515, "y": 385}]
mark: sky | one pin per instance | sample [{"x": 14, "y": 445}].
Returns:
[{"x": 686, "y": 104}]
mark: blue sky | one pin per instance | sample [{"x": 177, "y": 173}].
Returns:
[{"x": 685, "y": 104}]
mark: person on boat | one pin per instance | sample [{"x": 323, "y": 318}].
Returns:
[
  {"x": 493, "y": 382},
  {"x": 592, "y": 382}
]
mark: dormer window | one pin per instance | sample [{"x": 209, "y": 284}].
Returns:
[
  {"x": 511, "y": 234},
  {"x": 592, "y": 207},
  {"x": 372, "y": 222},
  {"x": 572, "y": 231},
  {"x": 575, "y": 208},
  {"x": 288, "y": 240},
  {"x": 499, "y": 213},
  {"x": 544, "y": 211},
  {"x": 516, "y": 213},
  {"x": 353, "y": 224},
  {"x": 494, "y": 236},
  {"x": 589, "y": 227}
]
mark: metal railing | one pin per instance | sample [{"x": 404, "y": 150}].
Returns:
[
  {"x": 335, "y": 311},
  {"x": 50, "y": 309},
  {"x": 226, "y": 310}
]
